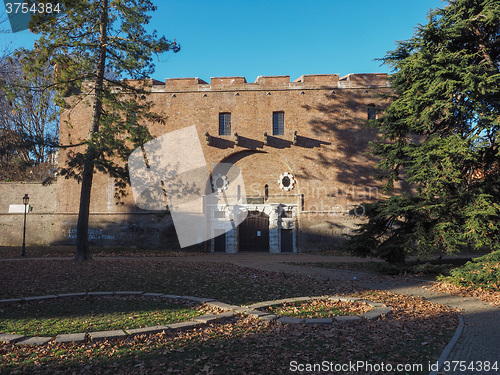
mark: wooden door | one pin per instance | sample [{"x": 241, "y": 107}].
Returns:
[
  {"x": 253, "y": 233},
  {"x": 220, "y": 241},
  {"x": 286, "y": 240}
]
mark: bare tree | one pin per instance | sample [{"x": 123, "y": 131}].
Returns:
[{"x": 28, "y": 119}]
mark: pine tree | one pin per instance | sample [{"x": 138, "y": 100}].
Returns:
[
  {"x": 440, "y": 135},
  {"x": 99, "y": 43}
]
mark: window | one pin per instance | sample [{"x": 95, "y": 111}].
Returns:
[
  {"x": 372, "y": 113},
  {"x": 224, "y": 123},
  {"x": 278, "y": 123}
]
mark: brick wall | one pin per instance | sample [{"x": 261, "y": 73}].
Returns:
[
  {"x": 333, "y": 172},
  {"x": 40, "y": 221}
]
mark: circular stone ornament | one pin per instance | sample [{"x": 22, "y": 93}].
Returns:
[
  {"x": 220, "y": 182},
  {"x": 287, "y": 181}
]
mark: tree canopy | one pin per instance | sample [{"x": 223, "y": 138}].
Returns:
[
  {"x": 440, "y": 135},
  {"x": 102, "y": 43}
]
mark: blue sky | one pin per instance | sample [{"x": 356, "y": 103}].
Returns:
[{"x": 293, "y": 37}]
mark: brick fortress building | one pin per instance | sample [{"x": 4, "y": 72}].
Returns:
[{"x": 301, "y": 147}]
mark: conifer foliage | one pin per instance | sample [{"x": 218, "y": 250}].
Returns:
[
  {"x": 93, "y": 45},
  {"x": 440, "y": 136}
]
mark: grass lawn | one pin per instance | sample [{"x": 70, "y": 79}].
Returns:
[
  {"x": 415, "y": 332},
  {"x": 319, "y": 308},
  {"x": 49, "y": 318}
]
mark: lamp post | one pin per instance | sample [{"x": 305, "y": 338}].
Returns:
[{"x": 26, "y": 200}]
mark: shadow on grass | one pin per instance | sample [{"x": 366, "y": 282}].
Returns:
[
  {"x": 246, "y": 347},
  {"x": 224, "y": 282},
  {"x": 78, "y": 307},
  {"x": 91, "y": 314}
]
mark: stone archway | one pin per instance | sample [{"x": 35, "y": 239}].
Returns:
[{"x": 271, "y": 208}]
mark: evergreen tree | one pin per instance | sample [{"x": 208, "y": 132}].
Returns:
[
  {"x": 440, "y": 135},
  {"x": 100, "y": 42}
]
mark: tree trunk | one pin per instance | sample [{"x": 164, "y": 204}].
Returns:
[{"x": 82, "y": 227}]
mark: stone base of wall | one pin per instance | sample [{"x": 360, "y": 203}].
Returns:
[
  {"x": 156, "y": 231},
  {"x": 311, "y": 230},
  {"x": 319, "y": 231},
  {"x": 141, "y": 230}
]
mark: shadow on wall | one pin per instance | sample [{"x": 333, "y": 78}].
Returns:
[
  {"x": 343, "y": 121},
  {"x": 156, "y": 231},
  {"x": 271, "y": 141},
  {"x": 144, "y": 231},
  {"x": 326, "y": 234}
]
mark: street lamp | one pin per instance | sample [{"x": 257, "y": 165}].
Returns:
[{"x": 26, "y": 200}]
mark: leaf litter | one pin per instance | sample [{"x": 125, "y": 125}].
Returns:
[{"x": 415, "y": 332}]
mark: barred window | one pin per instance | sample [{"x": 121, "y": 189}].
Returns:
[
  {"x": 225, "y": 123},
  {"x": 278, "y": 123}
]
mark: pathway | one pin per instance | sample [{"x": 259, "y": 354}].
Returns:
[{"x": 479, "y": 339}]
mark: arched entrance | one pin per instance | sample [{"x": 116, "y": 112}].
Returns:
[
  {"x": 268, "y": 196},
  {"x": 253, "y": 233}
]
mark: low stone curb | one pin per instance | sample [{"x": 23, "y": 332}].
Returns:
[
  {"x": 146, "y": 330},
  {"x": 378, "y": 311},
  {"x": 10, "y": 338},
  {"x": 448, "y": 348},
  {"x": 37, "y": 340},
  {"x": 106, "y": 335},
  {"x": 319, "y": 321},
  {"x": 70, "y": 337},
  {"x": 290, "y": 320},
  {"x": 347, "y": 318}
]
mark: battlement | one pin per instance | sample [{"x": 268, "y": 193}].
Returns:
[
  {"x": 364, "y": 80},
  {"x": 308, "y": 81},
  {"x": 304, "y": 82},
  {"x": 181, "y": 82},
  {"x": 321, "y": 79}
]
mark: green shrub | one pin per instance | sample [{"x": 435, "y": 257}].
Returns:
[{"x": 482, "y": 272}]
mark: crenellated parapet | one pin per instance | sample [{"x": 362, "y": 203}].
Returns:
[{"x": 282, "y": 82}]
